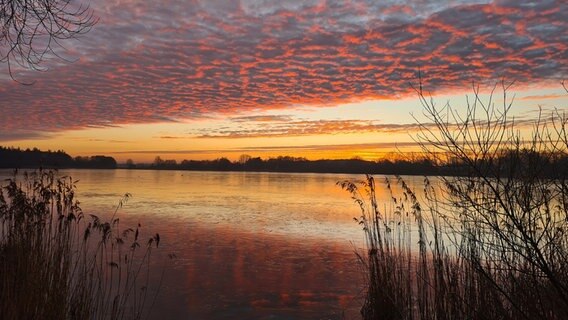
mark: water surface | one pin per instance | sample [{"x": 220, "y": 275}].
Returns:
[{"x": 248, "y": 245}]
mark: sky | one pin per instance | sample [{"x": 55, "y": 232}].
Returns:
[{"x": 204, "y": 79}]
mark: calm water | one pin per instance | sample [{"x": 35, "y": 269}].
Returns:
[{"x": 248, "y": 245}]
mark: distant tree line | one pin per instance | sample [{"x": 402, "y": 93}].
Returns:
[
  {"x": 442, "y": 165},
  {"x": 35, "y": 158},
  {"x": 294, "y": 164},
  {"x": 551, "y": 165}
]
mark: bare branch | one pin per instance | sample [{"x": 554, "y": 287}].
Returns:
[{"x": 32, "y": 30}]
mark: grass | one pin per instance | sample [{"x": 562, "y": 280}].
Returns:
[
  {"x": 58, "y": 263},
  {"x": 488, "y": 243},
  {"x": 422, "y": 264}
]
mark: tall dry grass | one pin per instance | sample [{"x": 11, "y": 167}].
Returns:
[
  {"x": 491, "y": 242},
  {"x": 58, "y": 263},
  {"x": 418, "y": 266}
]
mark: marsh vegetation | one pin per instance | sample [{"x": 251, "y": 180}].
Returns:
[
  {"x": 57, "y": 262},
  {"x": 491, "y": 244}
]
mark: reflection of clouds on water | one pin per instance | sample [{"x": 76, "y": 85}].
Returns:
[
  {"x": 249, "y": 275},
  {"x": 248, "y": 245}
]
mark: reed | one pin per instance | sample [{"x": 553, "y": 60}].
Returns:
[
  {"x": 490, "y": 243},
  {"x": 418, "y": 266},
  {"x": 58, "y": 263}
]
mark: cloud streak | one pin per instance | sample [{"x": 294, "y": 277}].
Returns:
[
  {"x": 543, "y": 97},
  {"x": 304, "y": 128},
  {"x": 149, "y": 61},
  {"x": 289, "y": 126},
  {"x": 384, "y": 147}
]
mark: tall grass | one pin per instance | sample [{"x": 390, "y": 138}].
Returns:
[
  {"x": 491, "y": 242},
  {"x": 58, "y": 263},
  {"x": 418, "y": 265}
]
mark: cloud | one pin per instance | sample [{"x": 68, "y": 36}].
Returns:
[
  {"x": 330, "y": 147},
  {"x": 382, "y": 146},
  {"x": 23, "y": 134},
  {"x": 289, "y": 126},
  {"x": 542, "y": 97},
  {"x": 292, "y": 127},
  {"x": 172, "y": 137},
  {"x": 263, "y": 118},
  {"x": 162, "y": 61},
  {"x": 106, "y": 140}
]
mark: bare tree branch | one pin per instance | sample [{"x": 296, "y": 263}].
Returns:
[
  {"x": 32, "y": 30},
  {"x": 511, "y": 190}
]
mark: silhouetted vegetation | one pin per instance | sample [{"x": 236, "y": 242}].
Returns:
[
  {"x": 492, "y": 242},
  {"x": 441, "y": 165},
  {"x": 95, "y": 162},
  {"x": 292, "y": 164},
  {"x": 551, "y": 166},
  {"x": 30, "y": 31},
  {"x": 35, "y": 158},
  {"x": 58, "y": 263}
]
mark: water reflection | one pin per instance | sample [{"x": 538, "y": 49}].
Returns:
[
  {"x": 227, "y": 274},
  {"x": 300, "y": 205},
  {"x": 249, "y": 245}
]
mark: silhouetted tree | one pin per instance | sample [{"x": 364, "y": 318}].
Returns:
[
  {"x": 511, "y": 201},
  {"x": 158, "y": 161},
  {"x": 130, "y": 164},
  {"x": 35, "y": 158},
  {"x": 244, "y": 158},
  {"x": 223, "y": 164},
  {"x": 32, "y": 30}
]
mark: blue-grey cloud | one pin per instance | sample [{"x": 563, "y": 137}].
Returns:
[{"x": 156, "y": 61}]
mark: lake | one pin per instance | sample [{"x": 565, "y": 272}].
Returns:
[{"x": 248, "y": 245}]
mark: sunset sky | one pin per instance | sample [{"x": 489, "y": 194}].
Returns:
[{"x": 204, "y": 79}]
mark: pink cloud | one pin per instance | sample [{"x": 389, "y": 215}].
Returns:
[{"x": 163, "y": 61}]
